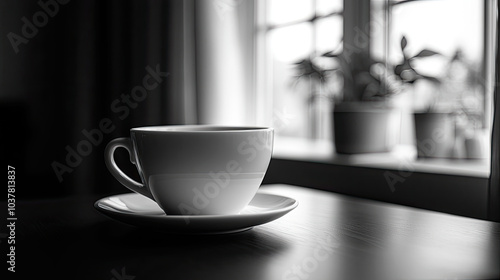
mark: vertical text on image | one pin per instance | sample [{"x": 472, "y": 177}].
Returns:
[{"x": 11, "y": 218}]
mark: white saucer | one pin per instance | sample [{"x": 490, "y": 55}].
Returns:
[{"x": 138, "y": 210}]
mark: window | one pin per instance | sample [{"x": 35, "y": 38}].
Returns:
[
  {"x": 459, "y": 31},
  {"x": 289, "y": 32}
]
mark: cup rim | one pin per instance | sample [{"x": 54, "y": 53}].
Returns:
[{"x": 197, "y": 128}]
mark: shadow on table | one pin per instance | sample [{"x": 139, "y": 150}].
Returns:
[{"x": 107, "y": 250}]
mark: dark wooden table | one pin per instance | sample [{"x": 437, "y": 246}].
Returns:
[{"x": 328, "y": 236}]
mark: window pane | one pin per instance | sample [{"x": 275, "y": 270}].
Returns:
[
  {"x": 328, "y": 33},
  {"x": 291, "y": 43},
  {"x": 287, "y": 46},
  {"x": 450, "y": 27},
  {"x": 324, "y": 7},
  {"x": 289, "y": 101},
  {"x": 301, "y": 108},
  {"x": 285, "y": 11},
  {"x": 443, "y": 25}
]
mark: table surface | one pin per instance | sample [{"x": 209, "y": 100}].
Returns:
[{"x": 328, "y": 236}]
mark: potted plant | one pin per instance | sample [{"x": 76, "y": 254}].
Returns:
[
  {"x": 363, "y": 113},
  {"x": 434, "y": 130},
  {"x": 464, "y": 81}
]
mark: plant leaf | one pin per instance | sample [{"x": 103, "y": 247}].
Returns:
[
  {"x": 335, "y": 13},
  {"x": 331, "y": 54},
  {"x": 425, "y": 53},
  {"x": 404, "y": 43},
  {"x": 299, "y": 62},
  {"x": 400, "y": 68}
]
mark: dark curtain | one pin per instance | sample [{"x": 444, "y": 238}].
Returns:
[
  {"x": 494, "y": 190},
  {"x": 73, "y": 75}
]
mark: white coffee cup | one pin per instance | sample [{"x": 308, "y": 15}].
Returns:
[{"x": 195, "y": 169}]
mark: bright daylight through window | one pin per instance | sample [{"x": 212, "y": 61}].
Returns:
[{"x": 416, "y": 71}]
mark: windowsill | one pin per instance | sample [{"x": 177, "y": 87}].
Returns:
[{"x": 402, "y": 158}]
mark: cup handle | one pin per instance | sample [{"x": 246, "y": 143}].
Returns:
[{"x": 117, "y": 172}]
